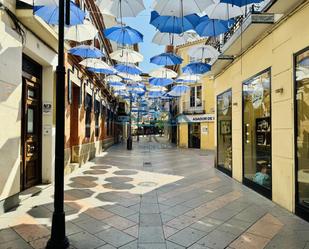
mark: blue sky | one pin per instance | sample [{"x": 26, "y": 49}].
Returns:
[{"x": 147, "y": 48}]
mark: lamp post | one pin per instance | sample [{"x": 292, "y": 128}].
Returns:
[
  {"x": 58, "y": 239},
  {"x": 129, "y": 141}
]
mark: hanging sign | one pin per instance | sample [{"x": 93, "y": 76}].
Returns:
[{"x": 196, "y": 118}]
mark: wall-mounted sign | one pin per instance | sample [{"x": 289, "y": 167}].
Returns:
[
  {"x": 47, "y": 108},
  {"x": 204, "y": 130},
  {"x": 196, "y": 118}
]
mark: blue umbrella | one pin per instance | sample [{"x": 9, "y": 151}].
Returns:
[
  {"x": 50, "y": 14},
  {"x": 160, "y": 81},
  {"x": 166, "y": 59},
  {"x": 86, "y": 51},
  {"x": 123, "y": 35},
  {"x": 212, "y": 27},
  {"x": 173, "y": 24},
  {"x": 116, "y": 84},
  {"x": 178, "y": 90},
  {"x": 130, "y": 69},
  {"x": 155, "y": 94},
  {"x": 196, "y": 68},
  {"x": 100, "y": 70},
  {"x": 241, "y": 3}
]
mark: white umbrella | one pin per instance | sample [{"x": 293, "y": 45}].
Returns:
[
  {"x": 127, "y": 56},
  {"x": 188, "y": 78},
  {"x": 82, "y": 32},
  {"x": 157, "y": 89},
  {"x": 181, "y": 8},
  {"x": 133, "y": 77},
  {"x": 163, "y": 73},
  {"x": 203, "y": 52},
  {"x": 46, "y": 2},
  {"x": 113, "y": 78},
  {"x": 175, "y": 39},
  {"x": 121, "y": 8},
  {"x": 95, "y": 63},
  {"x": 223, "y": 11}
]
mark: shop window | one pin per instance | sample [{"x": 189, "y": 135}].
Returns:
[
  {"x": 257, "y": 132},
  {"x": 97, "y": 109},
  {"x": 224, "y": 131},
  {"x": 88, "y": 108},
  {"x": 302, "y": 128}
]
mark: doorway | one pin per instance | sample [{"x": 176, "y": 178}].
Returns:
[
  {"x": 31, "y": 124},
  {"x": 195, "y": 135}
]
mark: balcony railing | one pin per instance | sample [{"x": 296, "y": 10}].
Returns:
[{"x": 198, "y": 108}]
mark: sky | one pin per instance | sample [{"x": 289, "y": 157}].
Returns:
[{"x": 147, "y": 48}]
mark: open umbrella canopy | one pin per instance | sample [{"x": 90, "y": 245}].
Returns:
[
  {"x": 101, "y": 70},
  {"x": 128, "y": 68},
  {"x": 155, "y": 94},
  {"x": 178, "y": 90},
  {"x": 126, "y": 55},
  {"x": 203, "y": 52},
  {"x": 123, "y": 35},
  {"x": 212, "y": 27},
  {"x": 241, "y": 3},
  {"x": 95, "y": 63},
  {"x": 116, "y": 84},
  {"x": 113, "y": 78},
  {"x": 223, "y": 11},
  {"x": 81, "y": 32},
  {"x": 188, "y": 78},
  {"x": 130, "y": 77},
  {"x": 160, "y": 81},
  {"x": 181, "y": 8},
  {"x": 86, "y": 51},
  {"x": 196, "y": 68},
  {"x": 166, "y": 59},
  {"x": 50, "y": 13},
  {"x": 174, "y": 39},
  {"x": 173, "y": 24},
  {"x": 157, "y": 89},
  {"x": 163, "y": 73},
  {"x": 121, "y": 8}
]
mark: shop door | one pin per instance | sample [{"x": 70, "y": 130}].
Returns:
[
  {"x": 31, "y": 128},
  {"x": 195, "y": 136},
  {"x": 31, "y": 170}
]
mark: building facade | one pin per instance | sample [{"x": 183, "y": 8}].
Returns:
[
  {"x": 262, "y": 103},
  {"x": 28, "y": 60},
  {"x": 196, "y": 108}
]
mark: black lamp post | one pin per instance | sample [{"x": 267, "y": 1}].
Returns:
[
  {"x": 129, "y": 141},
  {"x": 58, "y": 239}
]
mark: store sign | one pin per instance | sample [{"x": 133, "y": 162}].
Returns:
[{"x": 196, "y": 118}]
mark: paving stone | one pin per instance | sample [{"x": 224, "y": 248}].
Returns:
[
  {"x": 16, "y": 244},
  {"x": 187, "y": 236},
  {"x": 217, "y": 239},
  {"x": 131, "y": 245},
  {"x": 197, "y": 246},
  {"x": 166, "y": 218},
  {"x": 107, "y": 246},
  {"x": 251, "y": 241},
  {"x": 151, "y": 235},
  {"x": 223, "y": 214},
  {"x": 234, "y": 226},
  {"x": 30, "y": 232},
  {"x": 150, "y": 220},
  {"x": 133, "y": 231},
  {"x": 134, "y": 218},
  {"x": 206, "y": 224},
  {"x": 115, "y": 237},
  {"x": 152, "y": 246},
  {"x": 149, "y": 208},
  {"x": 171, "y": 245},
  {"x": 92, "y": 225},
  {"x": 84, "y": 240},
  {"x": 8, "y": 235},
  {"x": 122, "y": 211},
  {"x": 177, "y": 210},
  {"x": 119, "y": 222}
]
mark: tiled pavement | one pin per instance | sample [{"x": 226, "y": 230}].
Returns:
[{"x": 154, "y": 197}]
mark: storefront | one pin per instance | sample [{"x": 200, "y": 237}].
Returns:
[
  {"x": 302, "y": 132},
  {"x": 224, "y": 160},
  {"x": 257, "y": 133}
]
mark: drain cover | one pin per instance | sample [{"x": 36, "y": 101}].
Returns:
[
  {"x": 147, "y": 184},
  {"x": 147, "y": 164}
]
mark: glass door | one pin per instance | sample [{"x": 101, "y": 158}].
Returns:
[
  {"x": 302, "y": 133},
  {"x": 257, "y": 133},
  {"x": 224, "y": 132},
  {"x": 195, "y": 135}
]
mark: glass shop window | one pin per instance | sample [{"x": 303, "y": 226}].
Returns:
[
  {"x": 224, "y": 130},
  {"x": 302, "y": 128},
  {"x": 88, "y": 108},
  {"x": 257, "y": 130}
]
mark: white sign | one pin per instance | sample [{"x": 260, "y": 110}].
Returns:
[
  {"x": 47, "y": 108},
  {"x": 196, "y": 118},
  {"x": 204, "y": 130}
]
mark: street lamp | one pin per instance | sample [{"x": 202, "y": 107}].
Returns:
[{"x": 58, "y": 239}]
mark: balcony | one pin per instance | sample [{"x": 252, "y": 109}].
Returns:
[{"x": 188, "y": 109}]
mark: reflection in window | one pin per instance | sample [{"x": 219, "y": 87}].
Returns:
[
  {"x": 224, "y": 142},
  {"x": 30, "y": 120},
  {"x": 257, "y": 130},
  {"x": 196, "y": 96},
  {"x": 302, "y": 99}
]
